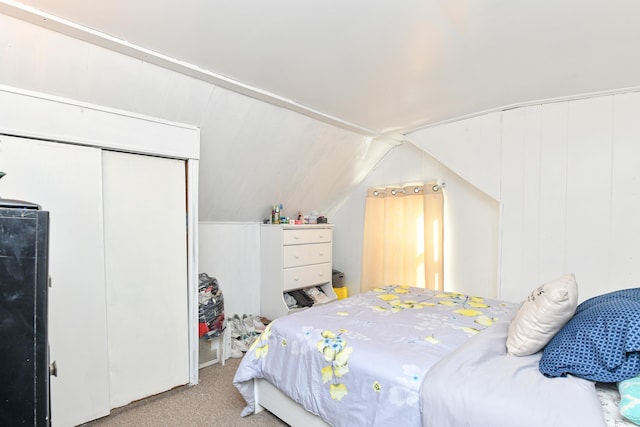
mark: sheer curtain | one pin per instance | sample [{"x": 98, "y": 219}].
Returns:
[{"x": 403, "y": 237}]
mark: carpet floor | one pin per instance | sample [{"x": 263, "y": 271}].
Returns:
[{"x": 214, "y": 401}]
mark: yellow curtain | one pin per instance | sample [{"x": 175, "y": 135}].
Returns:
[{"x": 403, "y": 237}]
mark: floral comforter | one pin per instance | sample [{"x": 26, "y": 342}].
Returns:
[{"x": 360, "y": 361}]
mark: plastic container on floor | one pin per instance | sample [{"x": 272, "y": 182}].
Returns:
[{"x": 342, "y": 293}]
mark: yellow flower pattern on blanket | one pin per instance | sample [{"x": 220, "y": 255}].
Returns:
[
  {"x": 372, "y": 347},
  {"x": 470, "y": 306},
  {"x": 336, "y": 352},
  {"x": 261, "y": 344},
  {"x": 431, "y": 339}
]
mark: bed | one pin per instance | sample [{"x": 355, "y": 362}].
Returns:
[{"x": 407, "y": 356}]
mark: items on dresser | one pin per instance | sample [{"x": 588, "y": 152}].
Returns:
[
  {"x": 295, "y": 258},
  {"x": 276, "y": 216}
]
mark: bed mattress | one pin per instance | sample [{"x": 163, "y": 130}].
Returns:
[{"x": 361, "y": 360}]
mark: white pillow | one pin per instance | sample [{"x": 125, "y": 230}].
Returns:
[{"x": 541, "y": 315}]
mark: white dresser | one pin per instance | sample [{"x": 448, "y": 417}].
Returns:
[{"x": 293, "y": 257}]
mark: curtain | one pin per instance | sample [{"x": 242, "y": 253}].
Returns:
[{"x": 403, "y": 237}]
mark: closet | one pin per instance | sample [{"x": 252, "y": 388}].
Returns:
[
  {"x": 146, "y": 274},
  {"x": 121, "y": 259},
  {"x": 65, "y": 180}
]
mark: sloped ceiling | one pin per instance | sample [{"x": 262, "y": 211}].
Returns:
[
  {"x": 384, "y": 67},
  {"x": 367, "y": 74}
]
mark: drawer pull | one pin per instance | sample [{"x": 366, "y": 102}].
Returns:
[
  {"x": 320, "y": 275},
  {"x": 320, "y": 253},
  {"x": 296, "y": 257},
  {"x": 296, "y": 278}
]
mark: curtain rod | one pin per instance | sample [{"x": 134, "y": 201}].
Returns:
[
  {"x": 436, "y": 187},
  {"x": 416, "y": 189}
]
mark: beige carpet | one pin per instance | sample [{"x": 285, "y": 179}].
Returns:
[{"x": 213, "y": 402}]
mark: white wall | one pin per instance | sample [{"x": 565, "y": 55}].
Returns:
[
  {"x": 252, "y": 154},
  {"x": 568, "y": 184},
  {"x": 469, "y": 148},
  {"x": 250, "y": 149},
  {"x": 230, "y": 252},
  {"x": 471, "y": 223},
  {"x": 551, "y": 222}
]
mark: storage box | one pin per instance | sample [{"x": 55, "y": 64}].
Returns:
[
  {"x": 337, "y": 279},
  {"x": 342, "y": 293}
]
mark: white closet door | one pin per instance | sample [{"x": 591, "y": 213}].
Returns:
[
  {"x": 146, "y": 274},
  {"x": 66, "y": 181}
]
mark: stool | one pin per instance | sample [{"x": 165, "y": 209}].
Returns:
[{"x": 213, "y": 349}]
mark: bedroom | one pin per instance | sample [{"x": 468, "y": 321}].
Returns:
[{"x": 521, "y": 182}]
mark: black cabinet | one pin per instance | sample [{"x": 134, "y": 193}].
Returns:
[{"x": 24, "y": 373}]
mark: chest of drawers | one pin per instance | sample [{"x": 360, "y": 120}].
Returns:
[{"x": 293, "y": 257}]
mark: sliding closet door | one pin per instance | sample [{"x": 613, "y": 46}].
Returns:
[
  {"x": 146, "y": 274},
  {"x": 66, "y": 181}
]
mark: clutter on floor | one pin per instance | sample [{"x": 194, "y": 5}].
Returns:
[
  {"x": 211, "y": 325},
  {"x": 210, "y": 307},
  {"x": 243, "y": 331},
  {"x": 214, "y": 329}
]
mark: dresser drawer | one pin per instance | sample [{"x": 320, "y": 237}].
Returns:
[
  {"x": 301, "y": 237},
  {"x": 302, "y": 277},
  {"x": 299, "y": 255}
]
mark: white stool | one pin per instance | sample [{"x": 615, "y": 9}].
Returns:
[{"x": 214, "y": 349}]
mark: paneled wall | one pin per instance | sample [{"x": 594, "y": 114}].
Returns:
[
  {"x": 570, "y": 172},
  {"x": 568, "y": 187}
]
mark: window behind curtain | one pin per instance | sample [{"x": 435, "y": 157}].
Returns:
[{"x": 403, "y": 239}]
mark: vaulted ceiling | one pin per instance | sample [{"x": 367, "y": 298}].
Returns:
[
  {"x": 363, "y": 74},
  {"x": 377, "y": 67}
]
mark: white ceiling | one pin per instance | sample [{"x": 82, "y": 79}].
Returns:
[{"x": 382, "y": 67}]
